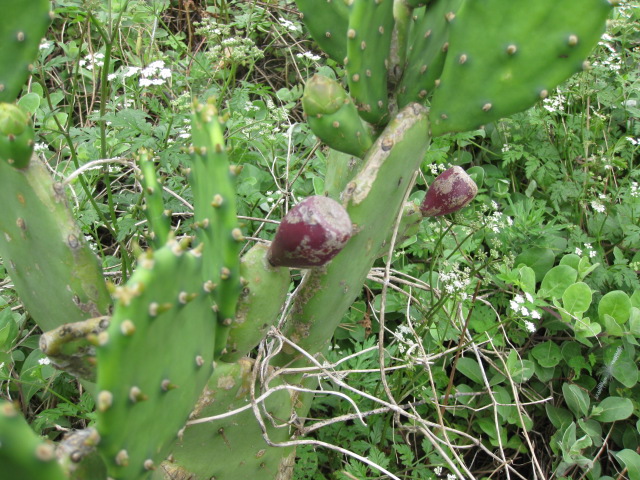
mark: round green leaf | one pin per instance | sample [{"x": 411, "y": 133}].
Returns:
[
  {"x": 540, "y": 259},
  {"x": 557, "y": 280},
  {"x": 548, "y": 354},
  {"x": 612, "y": 409},
  {"x": 616, "y": 304},
  {"x": 626, "y": 372},
  {"x": 576, "y": 298},
  {"x": 631, "y": 461},
  {"x": 576, "y": 398}
]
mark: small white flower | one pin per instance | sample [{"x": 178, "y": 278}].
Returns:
[
  {"x": 578, "y": 251},
  {"x": 597, "y": 206},
  {"x": 437, "y": 471},
  {"x": 518, "y": 298},
  {"x": 529, "y": 297},
  {"x": 535, "y": 315},
  {"x": 530, "y": 326},
  {"x": 40, "y": 147},
  {"x": 44, "y": 361},
  {"x": 44, "y": 45}
]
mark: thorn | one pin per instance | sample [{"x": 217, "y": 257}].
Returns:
[
  {"x": 45, "y": 452},
  {"x": 136, "y": 395},
  {"x": 236, "y": 233},
  {"x": 355, "y": 77},
  {"x": 209, "y": 286},
  {"x": 105, "y": 400},
  {"x": 127, "y": 328},
  {"x": 462, "y": 59},
  {"x": 166, "y": 385},
  {"x": 573, "y": 40},
  {"x": 122, "y": 458},
  {"x": 217, "y": 200},
  {"x": 225, "y": 273},
  {"x": 363, "y": 45},
  {"x": 544, "y": 94},
  {"x": 148, "y": 464},
  {"x": 450, "y": 16},
  {"x": 486, "y": 107},
  {"x": 199, "y": 361},
  {"x": 351, "y": 33},
  {"x": 512, "y": 49}
]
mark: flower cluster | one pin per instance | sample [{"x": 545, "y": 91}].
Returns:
[
  {"x": 156, "y": 73},
  {"x": 496, "y": 220},
  {"x": 405, "y": 343},
  {"x": 455, "y": 281},
  {"x": 588, "y": 249},
  {"x": 92, "y": 61},
  {"x": 524, "y": 306}
]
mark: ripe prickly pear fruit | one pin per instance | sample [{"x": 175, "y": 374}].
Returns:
[
  {"x": 452, "y": 190},
  {"x": 16, "y": 135},
  {"x": 311, "y": 234}
]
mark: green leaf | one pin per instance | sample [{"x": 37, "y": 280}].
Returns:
[
  {"x": 547, "y": 354},
  {"x": 539, "y": 259},
  {"x": 612, "y": 327},
  {"x": 519, "y": 369},
  {"x": 631, "y": 461},
  {"x": 612, "y": 409},
  {"x": 577, "y": 399},
  {"x": 528, "y": 279},
  {"x": 29, "y": 102},
  {"x": 557, "y": 280},
  {"x": 571, "y": 260},
  {"x": 616, "y": 304},
  {"x": 8, "y": 329},
  {"x": 576, "y": 299},
  {"x": 470, "y": 369}
]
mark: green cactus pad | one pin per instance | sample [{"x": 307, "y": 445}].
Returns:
[
  {"x": 56, "y": 274},
  {"x": 505, "y": 55},
  {"x": 341, "y": 168},
  {"x": 334, "y": 118},
  {"x": 212, "y": 180},
  {"x": 158, "y": 218},
  {"x": 409, "y": 226},
  {"x": 427, "y": 51},
  {"x": 22, "y": 27},
  {"x": 155, "y": 357},
  {"x": 24, "y": 455},
  {"x": 231, "y": 448},
  {"x": 368, "y": 48},
  {"x": 16, "y": 136},
  {"x": 373, "y": 200},
  {"x": 327, "y": 21},
  {"x": 71, "y": 347},
  {"x": 265, "y": 291}
]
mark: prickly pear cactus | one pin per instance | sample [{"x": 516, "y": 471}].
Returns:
[
  {"x": 212, "y": 180},
  {"x": 20, "y": 38},
  {"x": 233, "y": 447},
  {"x": 22, "y": 453},
  {"x": 502, "y": 58},
  {"x": 264, "y": 292},
  {"x": 16, "y": 136},
  {"x": 156, "y": 356},
  {"x": 53, "y": 268}
]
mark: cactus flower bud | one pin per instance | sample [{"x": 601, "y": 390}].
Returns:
[
  {"x": 322, "y": 96},
  {"x": 452, "y": 190},
  {"x": 16, "y": 135},
  {"x": 311, "y": 234}
]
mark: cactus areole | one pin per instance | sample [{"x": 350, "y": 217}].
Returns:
[
  {"x": 451, "y": 191},
  {"x": 311, "y": 234}
]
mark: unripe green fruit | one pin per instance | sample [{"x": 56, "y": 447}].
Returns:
[{"x": 16, "y": 136}]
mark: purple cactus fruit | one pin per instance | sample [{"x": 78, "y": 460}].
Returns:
[
  {"x": 311, "y": 234},
  {"x": 452, "y": 190}
]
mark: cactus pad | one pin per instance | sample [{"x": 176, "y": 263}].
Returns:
[
  {"x": 327, "y": 21},
  {"x": 503, "y": 57},
  {"x": 55, "y": 272},
  {"x": 24, "y": 455},
  {"x": 16, "y": 136},
  {"x": 212, "y": 180},
  {"x": 334, "y": 118},
  {"x": 22, "y": 27},
  {"x": 264, "y": 293},
  {"x": 155, "y": 357},
  {"x": 232, "y": 448}
]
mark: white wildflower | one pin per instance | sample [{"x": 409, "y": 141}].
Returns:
[
  {"x": 44, "y": 361},
  {"x": 597, "y": 206},
  {"x": 530, "y": 326}
]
